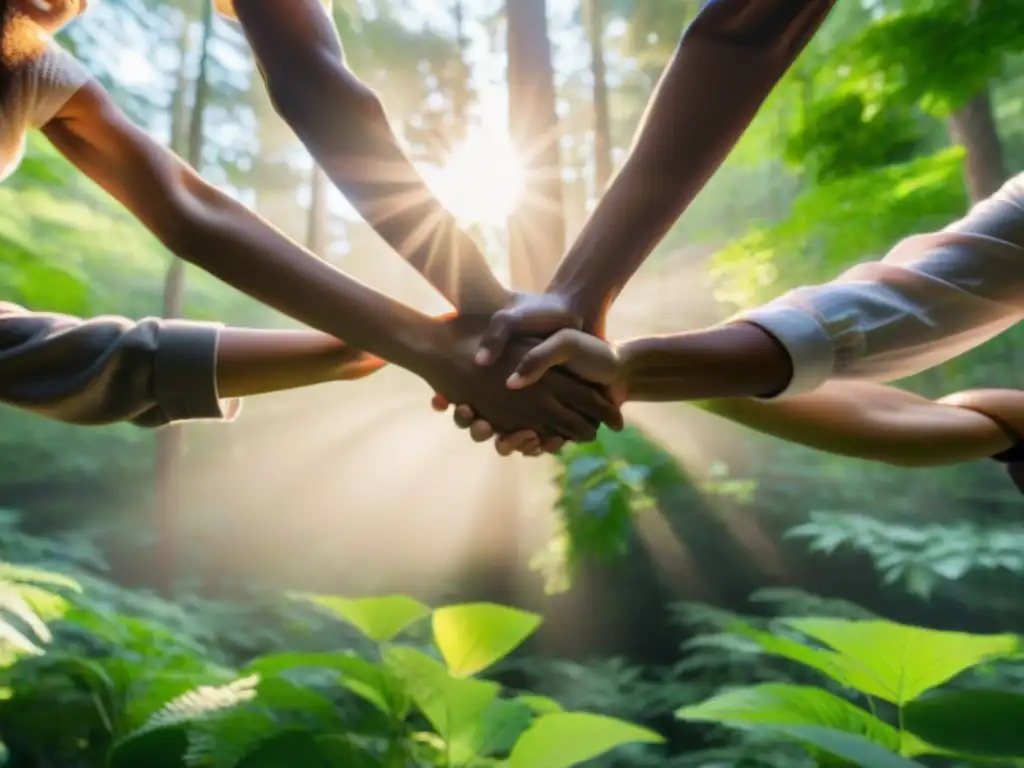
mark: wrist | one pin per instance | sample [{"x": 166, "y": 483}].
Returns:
[{"x": 738, "y": 360}]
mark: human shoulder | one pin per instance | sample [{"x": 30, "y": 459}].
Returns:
[{"x": 56, "y": 76}]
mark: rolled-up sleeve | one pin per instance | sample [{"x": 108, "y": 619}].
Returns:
[
  {"x": 109, "y": 369},
  {"x": 931, "y": 298}
]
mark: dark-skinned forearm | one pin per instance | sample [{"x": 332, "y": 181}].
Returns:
[
  {"x": 727, "y": 63},
  {"x": 735, "y": 360},
  {"x": 344, "y": 126},
  {"x": 221, "y": 236}
]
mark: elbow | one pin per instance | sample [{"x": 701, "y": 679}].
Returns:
[{"x": 321, "y": 85}]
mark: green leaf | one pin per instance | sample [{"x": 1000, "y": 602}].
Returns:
[
  {"x": 156, "y": 748},
  {"x": 454, "y": 706},
  {"x": 293, "y": 748},
  {"x": 784, "y": 704},
  {"x": 986, "y": 724},
  {"x": 368, "y": 681},
  {"x": 540, "y": 705},
  {"x": 379, "y": 618},
  {"x": 340, "y": 751},
  {"x": 279, "y": 694},
  {"x": 898, "y": 662},
  {"x": 501, "y": 725},
  {"x": 564, "y": 739},
  {"x": 474, "y": 636},
  {"x": 848, "y": 747}
]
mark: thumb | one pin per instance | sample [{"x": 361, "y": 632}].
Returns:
[
  {"x": 496, "y": 337},
  {"x": 558, "y": 349}
]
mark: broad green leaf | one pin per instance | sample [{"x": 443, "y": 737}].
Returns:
[
  {"x": 280, "y": 694},
  {"x": 474, "y": 636},
  {"x": 847, "y": 747},
  {"x": 986, "y": 724},
  {"x": 540, "y": 705},
  {"x": 379, "y": 618},
  {"x": 501, "y": 725},
  {"x": 368, "y": 681},
  {"x": 454, "y": 706},
  {"x": 783, "y": 704},
  {"x": 564, "y": 739},
  {"x": 898, "y": 662}
]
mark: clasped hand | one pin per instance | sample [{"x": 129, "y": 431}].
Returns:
[{"x": 526, "y": 375}]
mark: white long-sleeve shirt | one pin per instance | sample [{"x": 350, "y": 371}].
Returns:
[{"x": 931, "y": 298}]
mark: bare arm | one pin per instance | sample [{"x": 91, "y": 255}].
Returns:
[
  {"x": 881, "y": 423},
  {"x": 728, "y": 61},
  {"x": 209, "y": 229},
  {"x": 255, "y": 362},
  {"x": 344, "y": 126},
  {"x": 153, "y": 372}
]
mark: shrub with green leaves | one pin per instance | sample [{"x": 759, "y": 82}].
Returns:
[
  {"x": 159, "y": 702},
  {"x": 893, "y": 713}
]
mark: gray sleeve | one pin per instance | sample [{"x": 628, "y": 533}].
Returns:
[{"x": 109, "y": 369}]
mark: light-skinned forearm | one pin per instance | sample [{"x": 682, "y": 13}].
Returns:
[
  {"x": 254, "y": 362},
  {"x": 344, "y": 126},
  {"x": 726, "y": 65}
]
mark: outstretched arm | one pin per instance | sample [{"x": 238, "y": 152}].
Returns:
[
  {"x": 209, "y": 229},
  {"x": 344, "y": 126},
  {"x": 881, "y": 423},
  {"x": 728, "y": 61},
  {"x": 858, "y": 419},
  {"x": 154, "y": 372}
]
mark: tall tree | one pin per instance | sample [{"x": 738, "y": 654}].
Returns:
[
  {"x": 537, "y": 227},
  {"x": 170, "y": 441},
  {"x": 602, "y": 118}
]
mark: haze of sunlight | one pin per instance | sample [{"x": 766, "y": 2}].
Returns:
[{"x": 482, "y": 179}]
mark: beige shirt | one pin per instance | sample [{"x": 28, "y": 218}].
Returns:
[
  {"x": 38, "y": 91},
  {"x": 104, "y": 369},
  {"x": 931, "y": 298}
]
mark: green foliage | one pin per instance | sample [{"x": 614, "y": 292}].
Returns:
[
  {"x": 876, "y": 660},
  {"x": 922, "y": 557},
  {"x": 155, "y": 700},
  {"x": 839, "y": 222}
]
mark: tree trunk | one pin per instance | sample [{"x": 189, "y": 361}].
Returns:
[
  {"x": 537, "y": 227},
  {"x": 602, "y": 120},
  {"x": 170, "y": 441},
  {"x": 973, "y": 127},
  {"x": 319, "y": 218}
]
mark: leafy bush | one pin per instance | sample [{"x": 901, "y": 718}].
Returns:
[
  {"x": 893, "y": 669},
  {"x": 151, "y": 697}
]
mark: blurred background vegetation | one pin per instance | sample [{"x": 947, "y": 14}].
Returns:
[{"x": 895, "y": 119}]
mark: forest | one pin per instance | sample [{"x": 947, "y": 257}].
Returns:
[{"x": 341, "y": 578}]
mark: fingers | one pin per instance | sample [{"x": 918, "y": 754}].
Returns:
[
  {"x": 556, "y": 350},
  {"x": 593, "y": 402},
  {"x": 496, "y": 337},
  {"x": 464, "y": 417},
  {"x": 565, "y": 422},
  {"x": 524, "y": 441},
  {"x": 553, "y": 445},
  {"x": 439, "y": 403}
]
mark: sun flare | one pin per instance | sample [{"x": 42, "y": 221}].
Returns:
[{"x": 482, "y": 180}]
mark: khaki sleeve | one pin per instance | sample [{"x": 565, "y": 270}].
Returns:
[{"x": 109, "y": 369}]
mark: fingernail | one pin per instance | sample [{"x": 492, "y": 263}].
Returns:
[
  {"x": 483, "y": 357},
  {"x": 514, "y": 381}
]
